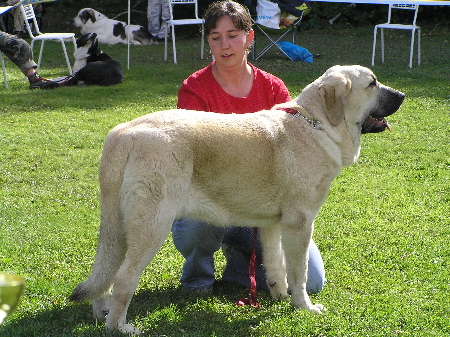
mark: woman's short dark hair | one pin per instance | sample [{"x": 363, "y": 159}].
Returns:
[{"x": 238, "y": 14}]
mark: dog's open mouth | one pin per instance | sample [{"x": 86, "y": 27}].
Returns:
[{"x": 374, "y": 125}]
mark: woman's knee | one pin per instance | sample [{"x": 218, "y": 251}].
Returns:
[
  {"x": 190, "y": 234},
  {"x": 316, "y": 270}
]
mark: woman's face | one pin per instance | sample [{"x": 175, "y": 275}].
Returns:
[{"x": 228, "y": 44}]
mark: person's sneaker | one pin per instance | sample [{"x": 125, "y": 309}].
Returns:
[{"x": 38, "y": 82}]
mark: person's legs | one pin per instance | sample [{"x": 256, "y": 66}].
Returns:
[
  {"x": 17, "y": 17},
  {"x": 154, "y": 16},
  {"x": 18, "y": 51},
  {"x": 316, "y": 270},
  {"x": 238, "y": 244},
  {"x": 237, "y": 248},
  {"x": 197, "y": 241},
  {"x": 165, "y": 16}
]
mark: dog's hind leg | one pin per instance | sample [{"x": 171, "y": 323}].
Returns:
[
  {"x": 145, "y": 236},
  {"x": 273, "y": 261},
  {"x": 148, "y": 213},
  {"x": 112, "y": 243},
  {"x": 296, "y": 240},
  {"x": 110, "y": 254}
]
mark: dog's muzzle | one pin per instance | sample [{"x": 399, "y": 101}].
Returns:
[{"x": 389, "y": 103}]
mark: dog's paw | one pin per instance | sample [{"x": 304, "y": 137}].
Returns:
[
  {"x": 100, "y": 308},
  {"x": 303, "y": 302},
  {"x": 99, "y": 313},
  {"x": 317, "y": 309},
  {"x": 278, "y": 290},
  {"x": 129, "y": 329}
]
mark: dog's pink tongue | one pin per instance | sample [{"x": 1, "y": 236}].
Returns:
[{"x": 387, "y": 125}]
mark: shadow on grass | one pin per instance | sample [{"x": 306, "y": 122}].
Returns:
[{"x": 167, "y": 312}]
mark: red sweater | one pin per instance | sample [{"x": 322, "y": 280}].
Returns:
[{"x": 200, "y": 91}]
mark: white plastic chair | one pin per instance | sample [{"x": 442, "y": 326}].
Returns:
[
  {"x": 28, "y": 14},
  {"x": 180, "y": 22},
  {"x": 4, "y": 71},
  {"x": 388, "y": 25}
]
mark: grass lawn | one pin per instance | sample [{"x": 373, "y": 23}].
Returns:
[{"x": 383, "y": 231}]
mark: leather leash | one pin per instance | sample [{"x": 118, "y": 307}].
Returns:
[{"x": 251, "y": 300}]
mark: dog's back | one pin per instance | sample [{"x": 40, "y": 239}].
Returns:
[{"x": 111, "y": 31}]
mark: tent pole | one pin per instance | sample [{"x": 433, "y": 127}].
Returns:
[{"x": 129, "y": 17}]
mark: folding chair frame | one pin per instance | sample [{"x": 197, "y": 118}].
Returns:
[
  {"x": 4, "y": 71},
  {"x": 282, "y": 32}
]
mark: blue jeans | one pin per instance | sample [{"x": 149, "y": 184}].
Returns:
[{"x": 198, "y": 241}]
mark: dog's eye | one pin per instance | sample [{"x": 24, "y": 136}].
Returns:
[{"x": 373, "y": 83}]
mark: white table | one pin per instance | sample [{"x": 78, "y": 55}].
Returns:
[{"x": 387, "y": 2}]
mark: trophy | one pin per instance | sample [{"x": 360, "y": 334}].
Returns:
[{"x": 11, "y": 287}]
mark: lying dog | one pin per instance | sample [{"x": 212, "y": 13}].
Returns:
[
  {"x": 270, "y": 169},
  {"x": 92, "y": 66},
  {"x": 111, "y": 31}
]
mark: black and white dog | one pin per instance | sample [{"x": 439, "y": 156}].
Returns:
[
  {"x": 92, "y": 66},
  {"x": 111, "y": 31}
]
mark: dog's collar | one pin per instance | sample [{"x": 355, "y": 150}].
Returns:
[{"x": 296, "y": 113}]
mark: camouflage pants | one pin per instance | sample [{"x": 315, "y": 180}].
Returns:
[
  {"x": 18, "y": 51},
  {"x": 157, "y": 15}
]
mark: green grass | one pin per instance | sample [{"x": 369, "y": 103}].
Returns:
[{"x": 383, "y": 231}]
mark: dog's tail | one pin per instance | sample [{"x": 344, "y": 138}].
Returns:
[
  {"x": 112, "y": 245},
  {"x": 143, "y": 37}
]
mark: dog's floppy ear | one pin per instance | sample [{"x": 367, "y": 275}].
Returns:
[
  {"x": 334, "y": 90},
  {"x": 87, "y": 14},
  {"x": 95, "y": 47},
  {"x": 91, "y": 14}
]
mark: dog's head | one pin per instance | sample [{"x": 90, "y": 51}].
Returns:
[
  {"x": 87, "y": 46},
  {"x": 87, "y": 16},
  {"x": 347, "y": 101},
  {"x": 354, "y": 95}
]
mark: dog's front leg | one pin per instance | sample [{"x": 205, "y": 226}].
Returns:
[
  {"x": 296, "y": 240},
  {"x": 273, "y": 261}
]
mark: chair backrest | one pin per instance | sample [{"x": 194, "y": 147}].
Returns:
[
  {"x": 28, "y": 14},
  {"x": 183, "y": 2},
  {"x": 268, "y": 14},
  {"x": 409, "y": 7}
]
